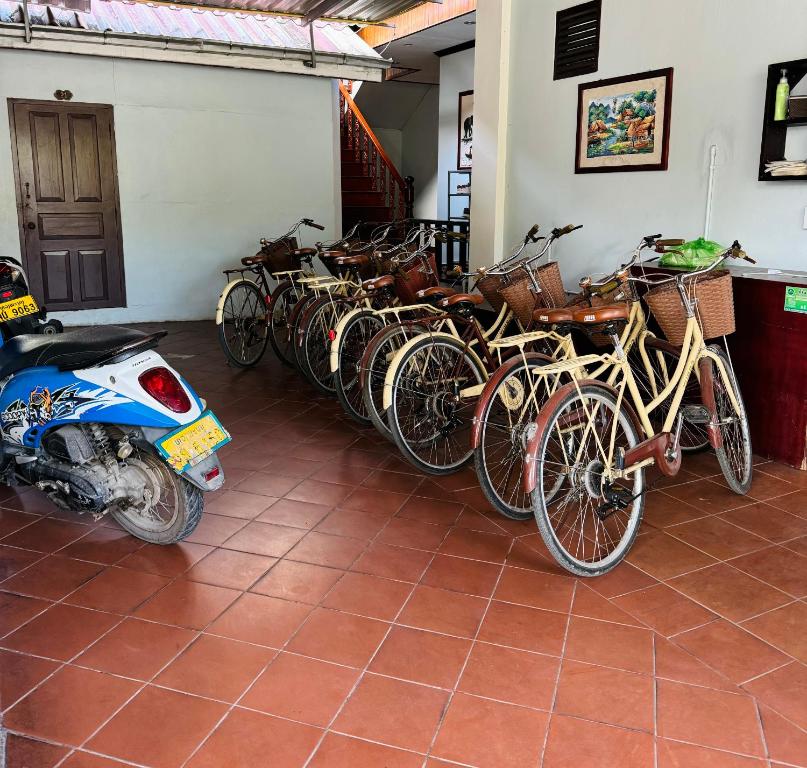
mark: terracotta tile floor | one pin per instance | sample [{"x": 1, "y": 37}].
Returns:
[{"x": 336, "y": 610}]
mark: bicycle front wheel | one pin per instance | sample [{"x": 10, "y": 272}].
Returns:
[
  {"x": 734, "y": 455},
  {"x": 590, "y": 525},
  {"x": 316, "y": 333},
  {"x": 430, "y": 414},
  {"x": 243, "y": 332}
]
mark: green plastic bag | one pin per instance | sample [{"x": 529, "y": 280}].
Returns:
[{"x": 692, "y": 255}]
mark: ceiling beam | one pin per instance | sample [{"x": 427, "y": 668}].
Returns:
[
  {"x": 423, "y": 16},
  {"x": 320, "y": 9}
]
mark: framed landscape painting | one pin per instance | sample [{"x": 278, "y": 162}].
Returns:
[
  {"x": 465, "y": 131},
  {"x": 623, "y": 124}
]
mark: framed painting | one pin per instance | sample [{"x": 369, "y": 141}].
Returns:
[
  {"x": 623, "y": 124},
  {"x": 465, "y": 131}
]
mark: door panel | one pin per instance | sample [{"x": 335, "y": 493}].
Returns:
[
  {"x": 68, "y": 203},
  {"x": 84, "y": 158},
  {"x": 57, "y": 287},
  {"x": 47, "y": 157}
]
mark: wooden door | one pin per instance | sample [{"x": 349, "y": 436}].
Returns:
[{"x": 67, "y": 197}]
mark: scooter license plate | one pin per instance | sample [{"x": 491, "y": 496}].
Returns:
[
  {"x": 17, "y": 308},
  {"x": 187, "y": 446}
]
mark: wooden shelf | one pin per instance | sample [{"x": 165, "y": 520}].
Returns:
[{"x": 774, "y": 132}]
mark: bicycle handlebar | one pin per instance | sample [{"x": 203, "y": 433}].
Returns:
[{"x": 313, "y": 224}]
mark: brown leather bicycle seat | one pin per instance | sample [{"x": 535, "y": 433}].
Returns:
[
  {"x": 330, "y": 254},
  {"x": 358, "y": 260},
  {"x": 435, "y": 292},
  {"x": 553, "y": 316},
  {"x": 460, "y": 298},
  {"x": 377, "y": 283},
  {"x": 303, "y": 252},
  {"x": 604, "y": 314},
  {"x": 251, "y": 261}
]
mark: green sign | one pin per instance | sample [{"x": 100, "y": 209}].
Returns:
[{"x": 795, "y": 299}]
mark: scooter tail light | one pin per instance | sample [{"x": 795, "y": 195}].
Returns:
[
  {"x": 211, "y": 474},
  {"x": 165, "y": 388}
]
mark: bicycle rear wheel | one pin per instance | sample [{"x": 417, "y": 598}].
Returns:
[
  {"x": 590, "y": 525},
  {"x": 429, "y": 416},
  {"x": 353, "y": 342},
  {"x": 735, "y": 455},
  {"x": 382, "y": 349},
  {"x": 281, "y": 306},
  {"x": 242, "y": 332},
  {"x": 506, "y": 414},
  {"x": 317, "y": 332}
]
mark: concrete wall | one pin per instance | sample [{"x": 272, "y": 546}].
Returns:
[
  {"x": 720, "y": 50},
  {"x": 456, "y": 75},
  {"x": 420, "y": 152},
  {"x": 209, "y": 160}
]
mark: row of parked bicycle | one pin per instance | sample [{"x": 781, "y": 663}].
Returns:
[{"x": 555, "y": 432}]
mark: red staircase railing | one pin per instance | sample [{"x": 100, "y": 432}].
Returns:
[{"x": 360, "y": 143}]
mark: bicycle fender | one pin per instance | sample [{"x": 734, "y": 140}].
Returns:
[
  {"x": 396, "y": 361},
  {"x": 340, "y": 327},
  {"x": 223, "y": 297},
  {"x": 493, "y": 384},
  {"x": 529, "y": 476},
  {"x": 706, "y": 367}
]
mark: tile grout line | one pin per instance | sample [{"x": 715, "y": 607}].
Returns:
[
  {"x": 557, "y": 678},
  {"x": 473, "y": 644}
]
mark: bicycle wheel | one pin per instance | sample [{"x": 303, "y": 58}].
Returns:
[
  {"x": 295, "y": 319},
  {"x": 317, "y": 330},
  {"x": 376, "y": 361},
  {"x": 664, "y": 358},
  {"x": 353, "y": 341},
  {"x": 282, "y": 303},
  {"x": 591, "y": 524},
  {"x": 242, "y": 332},
  {"x": 429, "y": 417},
  {"x": 505, "y": 416},
  {"x": 734, "y": 456}
]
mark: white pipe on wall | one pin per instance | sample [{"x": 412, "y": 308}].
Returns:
[{"x": 707, "y": 222}]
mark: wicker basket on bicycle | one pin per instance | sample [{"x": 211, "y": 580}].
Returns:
[
  {"x": 520, "y": 295},
  {"x": 490, "y": 286},
  {"x": 414, "y": 276},
  {"x": 714, "y": 306},
  {"x": 278, "y": 255}
]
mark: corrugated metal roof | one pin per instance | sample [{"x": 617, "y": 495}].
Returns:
[
  {"x": 182, "y": 22},
  {"x": 358, "y": 10}
]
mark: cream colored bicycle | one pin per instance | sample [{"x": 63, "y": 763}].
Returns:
[{"x": 585, "y": 461}]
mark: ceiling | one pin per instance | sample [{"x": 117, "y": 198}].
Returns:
[
  {"x": 355, "y": 10},
  {"x": 417, "y": 51}
]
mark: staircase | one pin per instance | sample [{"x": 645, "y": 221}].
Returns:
[{"x": 372, "y": 187}]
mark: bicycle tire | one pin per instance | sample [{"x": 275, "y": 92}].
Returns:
[
  {"x": 281, "y": 304},
  {"x": 353, "y": 341},
  {"x": 247, "y": 311}
]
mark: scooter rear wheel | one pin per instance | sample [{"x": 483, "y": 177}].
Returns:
[{"x": 171, "y": 507}]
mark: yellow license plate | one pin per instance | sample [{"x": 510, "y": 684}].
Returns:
[
  {"x": 187, "y": 446},
  {"x": 17, "y": 308}
]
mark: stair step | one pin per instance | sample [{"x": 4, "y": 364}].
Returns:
[
  {"x": 357, "y": 183},
  {"x": 367, "y": 197}
]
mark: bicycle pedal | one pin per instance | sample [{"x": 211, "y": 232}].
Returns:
[{"x": 695, "y": 414}]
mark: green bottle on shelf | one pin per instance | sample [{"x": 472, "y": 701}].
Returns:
[{"x": 782, "y": 95}]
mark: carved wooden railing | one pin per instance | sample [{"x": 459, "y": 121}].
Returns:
[{"x": 359, "y": 142}]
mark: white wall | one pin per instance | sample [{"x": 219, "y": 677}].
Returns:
[
  {"x": 456, "y": 75},
  {"x": 420, "y": 152},
  {"x": 720, "y": 50},
  {"x": 209, "y": 160},
  {"x": 392, "y": 141}
]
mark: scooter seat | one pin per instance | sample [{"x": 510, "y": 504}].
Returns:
[{"x": 72, "y": 350}]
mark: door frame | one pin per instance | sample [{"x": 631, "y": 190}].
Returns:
[{"x": 49, "y": 103}]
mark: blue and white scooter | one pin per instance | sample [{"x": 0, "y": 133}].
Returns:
[{"x": 103, "y": 425}]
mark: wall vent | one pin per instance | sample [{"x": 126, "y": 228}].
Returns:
[{"x": 577, "y": 40}]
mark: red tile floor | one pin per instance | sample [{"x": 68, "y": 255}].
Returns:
[{"x": 336, "y": 610}]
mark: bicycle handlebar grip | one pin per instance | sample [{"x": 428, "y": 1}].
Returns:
[
  {"x": 315, "y": 225},
  {"x": 670, "y": 242},
  {"x": 532, "y": 233}
]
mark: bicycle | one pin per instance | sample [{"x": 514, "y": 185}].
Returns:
[
  {"x": 515, "y": 393},
  {"x": 432, "y": 384},
  {"x": 598, "y": 438},
  {"x": 245, "y": 305}
]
